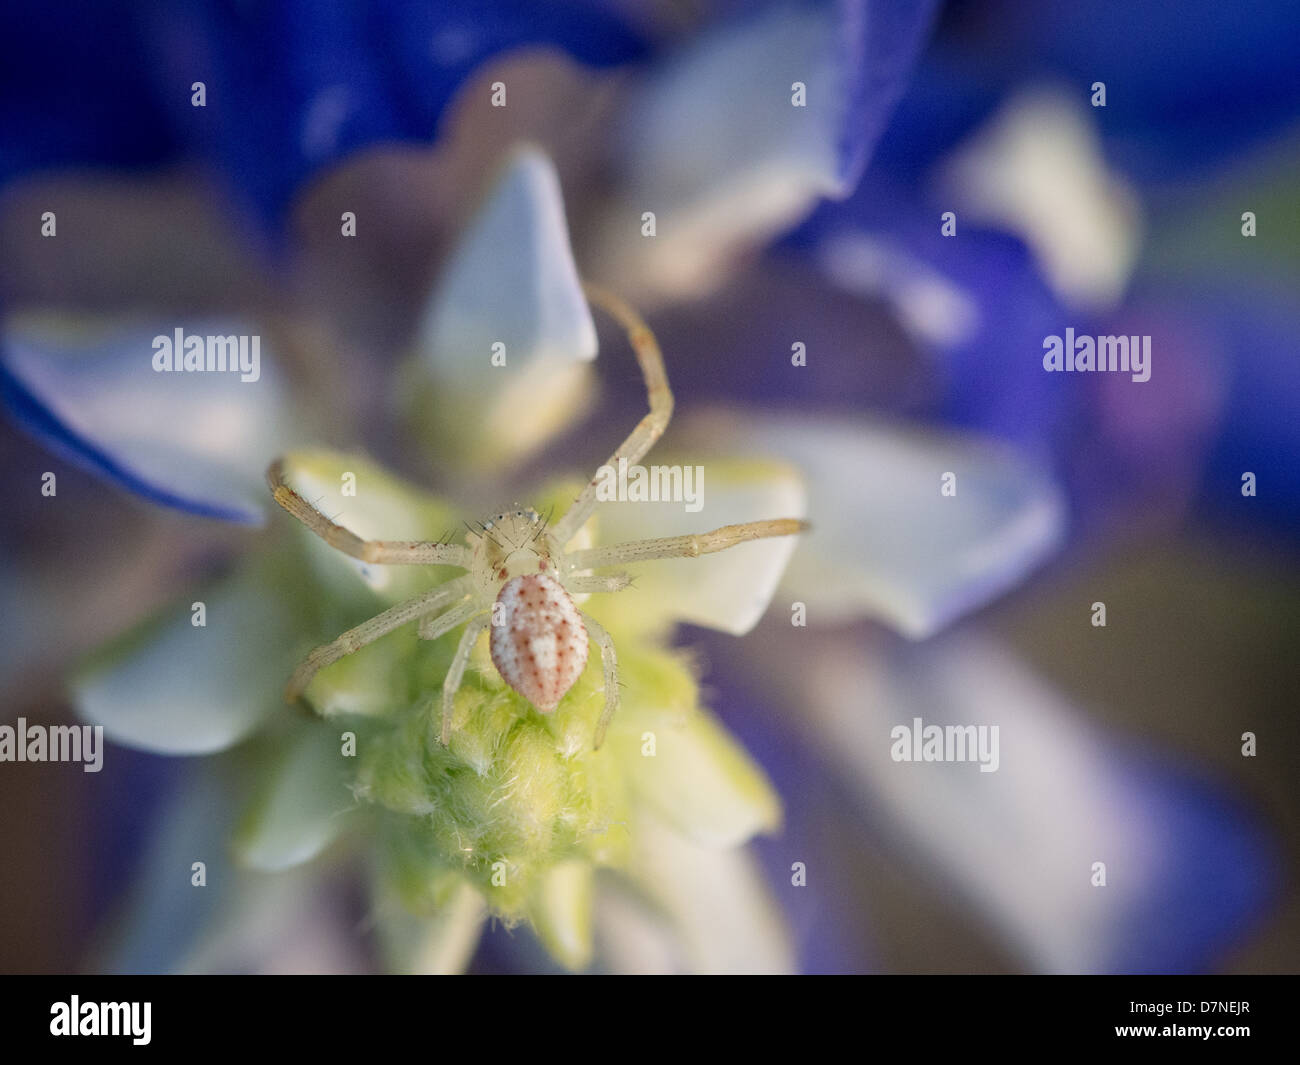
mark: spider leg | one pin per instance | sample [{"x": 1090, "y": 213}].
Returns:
[
  {"x": 433, "y": 624},
  {"x": 615, "y": 582},
  {"x": 451, "y": 683},
  {"x": 648, "y": 429},
  {"x": 609, "y": 660},
  {"x": 685, "y": 546},
  {"x": 369, "y": 631},
  {"x": 382, "y": 552}
]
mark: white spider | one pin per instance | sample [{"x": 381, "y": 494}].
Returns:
[{"x": 519, "y": 571}]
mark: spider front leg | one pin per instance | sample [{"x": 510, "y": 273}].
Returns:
[
  {"x": 381, "y": 552},
  {"x": 609, "y": 660},
  {"x": 690, "y": 546},
  {"x": 451, "y": 683},
  {"x": 648, "y": 429},
  {"x": 380, "y": 625}
]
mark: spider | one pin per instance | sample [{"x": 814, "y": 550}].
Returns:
[{"x": 520, "y": 573}]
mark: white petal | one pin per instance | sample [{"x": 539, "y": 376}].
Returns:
[
  {"x": 511, "y": 282},
  {"x": 1020, "y": 841},
  {"x": 701, "y": 781},
  {"x": 291, "y": 923},
  {"x": 717, "y": 148},
  {"x": 304, "y": 806},
  {"x": 438, "y": 945},
  {"x": 178, "y": 688},
  {"x": 197, "y": 441},
  {"x": 729, "y": 590},
  {"x": 885, "y": 542},
  {"x": 1038, "y": 170},
  {"x": 717, "y": 906},
  {"x": 632, "y": 937}
]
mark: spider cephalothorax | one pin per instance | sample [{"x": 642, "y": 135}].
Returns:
[{"x": 521, "y": 573}]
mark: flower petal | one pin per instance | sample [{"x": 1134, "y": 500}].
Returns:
[
  {"x": 440, "y": 944},
  {"x": 1038, "y": 170},
  {"x": 299, "y": 87},
  {"x": 177, "y": 688},
  {"x": 504, "y": 349},
  {"x": 304, "y": 806},
  {"x": 697, "y": 778},
  {"x": 561, "y": 912},
  {"x": 718, "y": 146},
  {"x": 198, "y": 442},
  {"x": 1182, "y": 867},
  {"x": 715, "y": 900},
  {"x": 972, "y": 308},
  {"x": 165, "y": 915},
  {"x": 729, "y": 590},
  {"x": 234, "y": 920},
  {"x": 885, "y": 541}
]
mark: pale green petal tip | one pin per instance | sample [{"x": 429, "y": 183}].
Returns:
[{"x": 561, "y": 912}]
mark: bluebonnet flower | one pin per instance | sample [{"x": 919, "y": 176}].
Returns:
[{"x": 955, "y": 311}]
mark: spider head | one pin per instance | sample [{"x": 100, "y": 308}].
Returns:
[{"x": 512, "y": 543}]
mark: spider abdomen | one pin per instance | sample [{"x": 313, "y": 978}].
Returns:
[{"x": 538, "y": 641}]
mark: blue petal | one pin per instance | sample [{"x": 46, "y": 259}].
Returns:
[
  {"x": 291, "y": 87},
  {"x": 1188, "y": 87},
  {"x": 197, "y": 442},
  {"x": 717, "y": 145},
  {"x": 294, "y": 87},
  {"x": 986, "y": 361},
  {"x": 1189, "y": 90},
  {"x": 1259, "y": 432},
  {"x": 884, "y": 40},
  {"x": 75, "y": 90}
]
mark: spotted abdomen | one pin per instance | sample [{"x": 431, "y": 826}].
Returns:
[{"x": 539, "y": 644}]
